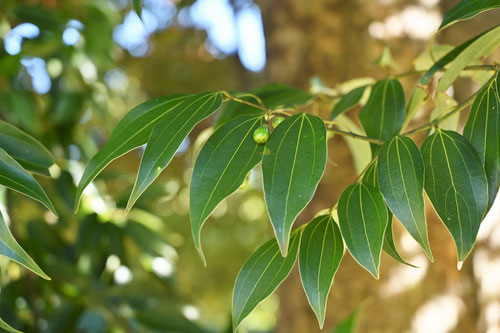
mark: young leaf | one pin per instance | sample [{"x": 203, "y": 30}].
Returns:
[
  {"x": 350, "y": 100},
  {"x": 467, "y": 9},
  {"x": 482, "y": 130},
  {"x": 168, "y": 135},
  {"x": 25, "y": 149},
  {"x": 370, "y": 177},
  {"x": 261, "y": 274},
  {"x": 131, "y": 132},
  {"x": 456, "y": 185},
  {"x": 321, "y": 250},
  {"x": 11, "y": 249},
  {"x": 401, "y": 180},
  {"x": 384, "y": 113},
  {"x": 7, "y": 327},
  {"x": 363, "y": 219},
  {"x": 13, "y": 176},
  {"x": 221, "y": 167},
  {"x": 293, "y": 163},
  {"x": 481, "y": 47}
]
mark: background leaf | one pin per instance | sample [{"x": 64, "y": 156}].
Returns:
[
  {"x": 349, "y": 324},
  {"x": 347, "y": 102},
  {"x": 467, "y": 9},
  {"x": 321, "y": 251},
  {"x": 138, "y": 7},
  {"x": 456, "y": 185},
  {"x": 443, "y": 103},
  {"x": 13, "y": 176},
  {"x": 7, "y": 327},
  {"x": 131, "y": 132},
  {"x": 168, "y": 135},
  {"x": 481, "y": 47},
  {"x": 401, "y": 181},
  {"x": 363, "y": 220},
  {"x": 360, "y": 150},
  {"x": 221, "y": 167},
  {"x": 293, "y": 163},
  {"x": 483, "y": 132},
  {"x": 25, "y": 149},
  {"x": 11, "y": 249},
  {"x": 261, "y": 274}
]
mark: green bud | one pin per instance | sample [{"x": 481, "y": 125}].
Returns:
[
  {"x": 277, "y": 121},
  {"x": 261, "y": 134}
]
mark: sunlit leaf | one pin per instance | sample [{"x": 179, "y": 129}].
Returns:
[
  {"x": 25, "y": 149},
  {"x": 444, "y": 104},
  {"x": 347, "y": 102},
  {"x": 467, "y": 9},
  {"x": 222, "y": 165},
  {"x": 360, "y": 150},
  {"x": 293, "y": 163},
  {"x": 383, "y": 115},
  {"x": 7, "y": 327},
  {"x": 131, "y": 132},
  {"x": 13, "y": 176},
  {"x": 261, "y": 274},
  {"x": 363, "y": 219},
  {"x": 11, "y": 249},
  {"x": 371, "y": 177},
  {"x": 456, "y": 185},
  {"x": 483, "y": 132},
  {"x": 481, "y": 47},
  {"x": 321, "y": 250},
  {"x": 401, "y": 180},
  {"x": 168, "y": 135}
]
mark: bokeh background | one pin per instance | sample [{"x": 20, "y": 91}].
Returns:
[{"x": 71, "y": 69}]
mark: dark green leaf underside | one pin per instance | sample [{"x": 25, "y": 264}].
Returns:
[
  {"x": 350, "y": 100},
  {"x": 467, "y": 9}
]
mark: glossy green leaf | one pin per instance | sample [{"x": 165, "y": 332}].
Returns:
[
  {"x": 131, "y": 132},
  {"x": 371, "y": 177},
  {"x": 168, "y": 135},
  {"x": 13, "y": 176},
  {"x": 363, "y": 219},
  {"x": 11, "y": 249},
  {"x": 321, "y": 251},
  {"x": 481, "y": 47},
  {"x": 456, "y": 185},
  {"x": 272, "y": 95},
  {"x": 261, "y": 274},
  {"x": 294, "y": 161},
  {"x": 7, "y": 327},
  {"x": 467, "y": 9},
  {"x": 347, "y": 102},
  {"x": 383, "y": 115},
  {"x": 482, "y": 130},
  {"x": 25, "y": 149},
  {"x": 221, "y": 167},
  {"x": 401, "y": 180}
]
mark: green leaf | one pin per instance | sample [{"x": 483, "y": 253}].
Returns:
[
  {"x": 7, "y": 327},
  {"x": 350, "y": 100},
  {"x": 272, "y": 95},
  {"x": 11, "y": 249},
  {"x": 384, "y": 113},
  {"x": 221, "y": 167},
  {"x": 25, "y": 149},
  {"x": 321, "y": 250},
  {"x": 360, "y": 150},
  {"x": 444, "y": 104},
  {"x": 261, "y": 274},
  {"x": 13, "y": 176},
  {"x": 482, "y": 130},
  {"x": 456, "y": 185},
  {"x": 168, "y": 135},
  {"x": 482, "y": 47},
  {"x": 138, "y": 7},
  {"x": 363, "y": 219},
  {"x": 401, "y": 180},
  {"x": 294, "y": 161},
  {"x": 467, "y": 9},
  {"x": 349, "y": 324},
  {"x": 371, "y": 177},
  {"x": 131, "y": 132}
]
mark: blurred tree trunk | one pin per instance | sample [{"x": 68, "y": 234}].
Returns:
[{"x": 329, "y": 39}]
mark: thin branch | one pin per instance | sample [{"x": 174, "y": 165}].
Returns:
[
  {"x": 356, "y": 136},
  {"x": 239, "y": 100}
]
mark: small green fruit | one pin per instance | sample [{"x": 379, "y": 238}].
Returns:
[
  {"x": 277, "y": 121},
  {"x": 261, "y": 134}
]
